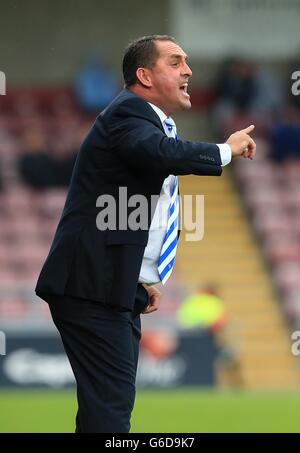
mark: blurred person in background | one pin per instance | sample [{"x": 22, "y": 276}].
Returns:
[
  {"x": 235, "y": 88},
  {"x": 245, "y": 91},
  {"x": 44, "y": 164},
  {"x": 35, "y": 163},
  {"x": 95, "y": 85},
  {"x": 63, "y": 160},
  {"x": 205, "y": 310},
  {"x": 98, "y": 280},
  {"x": 285, "y": 135}
]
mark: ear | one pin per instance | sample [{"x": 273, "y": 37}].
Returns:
[{"x": 144, "y": 77}]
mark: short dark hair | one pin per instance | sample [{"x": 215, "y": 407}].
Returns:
[{"x": 141, "y": 53}]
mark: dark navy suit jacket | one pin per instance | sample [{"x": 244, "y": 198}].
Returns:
[{"x": 126, "y": 147}]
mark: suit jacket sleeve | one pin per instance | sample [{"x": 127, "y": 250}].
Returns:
[{"x": 140, "y": 142}]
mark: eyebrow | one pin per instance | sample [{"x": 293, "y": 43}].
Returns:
[{"x": 178, "y": 57}]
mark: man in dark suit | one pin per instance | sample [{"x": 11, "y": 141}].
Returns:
[{"x": 98, "y": 280}]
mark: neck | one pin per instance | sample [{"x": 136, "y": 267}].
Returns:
[{"x": 144, "y": 93}]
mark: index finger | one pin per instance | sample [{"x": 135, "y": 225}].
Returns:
[{"x": 248, "y": 129}]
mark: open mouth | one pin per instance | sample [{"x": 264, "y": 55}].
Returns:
[{"x": 184, "y": 88}]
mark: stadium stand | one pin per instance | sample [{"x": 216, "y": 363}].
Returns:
[
  {"x": 29, "y": 215},
  {"x": 252, "y": 283},
  {"x": 231, "y": 255},
  {"x": 272, "y": 194}
]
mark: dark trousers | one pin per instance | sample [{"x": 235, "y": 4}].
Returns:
[{"x": 102, "y": 344}]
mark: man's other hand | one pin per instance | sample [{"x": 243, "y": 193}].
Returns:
[
  {"x": 242, "y": 144},
  {"x": 154, "y": 296}
]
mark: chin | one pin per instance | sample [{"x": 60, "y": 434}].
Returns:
[{"x": 186, "y": 105}]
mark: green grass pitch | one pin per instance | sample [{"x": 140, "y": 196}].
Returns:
[{"x": 160, "y": 411}]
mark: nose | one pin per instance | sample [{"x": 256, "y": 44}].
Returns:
[{"x": 187, "y": 70}]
